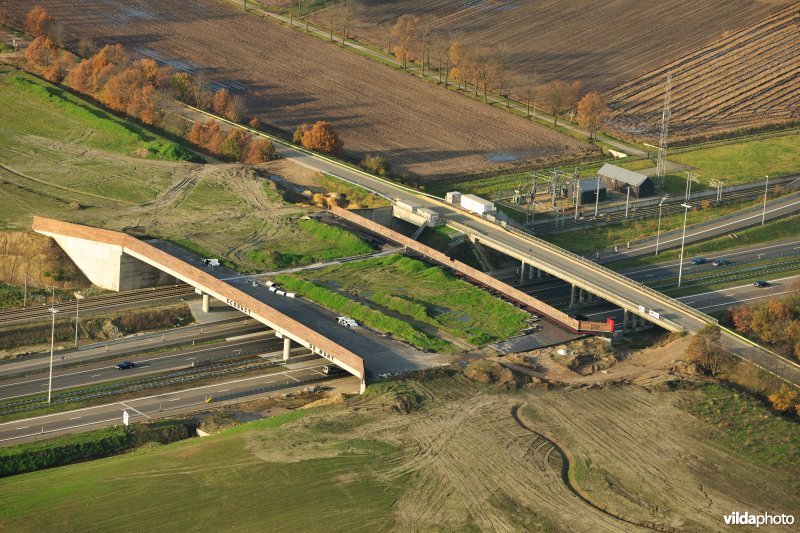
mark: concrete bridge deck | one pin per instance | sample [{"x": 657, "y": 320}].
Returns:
[{"x": 105, "y": 256}]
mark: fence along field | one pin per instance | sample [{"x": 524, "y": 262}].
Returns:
[
  {"x": 289, "y": 79},
  {"x": 745, "y": 79}
]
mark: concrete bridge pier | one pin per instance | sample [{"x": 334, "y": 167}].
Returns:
[
  {"x": 581, "y": 294},
  {"x": 521, "y": 272},
  {"x": 572, "y": 297},
  {"x": 206, "y": 302},
  {"x": 625, "y": 321},
  {"x": 287, "y": 348}
]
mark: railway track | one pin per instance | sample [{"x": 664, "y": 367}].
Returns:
[
  {"x": 32, "y": 314},
  {"x": 568, "y": 223}
]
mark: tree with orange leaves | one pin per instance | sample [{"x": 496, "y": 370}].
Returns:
[
  {"x": 41, "y": 52},
  {"x": 592, "y": 111},
  {"x": 322, "y": 138},
  {"x": 40, "y": 23}
]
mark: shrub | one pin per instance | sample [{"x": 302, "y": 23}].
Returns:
[
  {"x": 39, "y": 22},
  {"x": 377, "y": 165},
  {"x": 259, "y": 151},
  {"x": 233, "y": 146},
  {"x": 297, "y": 136},
  {"x": 705, "y": 350},
  {"x": 783, "y": 399}
]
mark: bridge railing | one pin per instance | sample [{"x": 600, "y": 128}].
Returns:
[{"x": 641, "y": 286}]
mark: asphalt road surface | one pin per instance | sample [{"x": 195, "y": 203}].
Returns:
[
  {"x": 94, "y": 373},
  {"x": 133, "y": 344},
  {"x": 163, "y": 405}
]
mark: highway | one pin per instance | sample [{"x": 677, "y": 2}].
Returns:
[
  {"x": 170, "y": 403},
  {"x": 94, "y": 373},
  {"x": 554, "y": 287},
  {"x": 730, "y": 224},
  {"x": 132, "y": 344}
]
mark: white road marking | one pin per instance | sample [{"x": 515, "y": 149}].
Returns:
[
  {"x": 24, "y": 427},
  {"x": 223, "y": 390},
  {"x": 95, "y": 375},
  {"x": 132, "y": 409},
  {"x": 173, "y": 399},
  {"x": 76, "y": 418}
]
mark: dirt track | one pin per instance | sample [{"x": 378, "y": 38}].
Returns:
[{"x": 290, "y": 79}]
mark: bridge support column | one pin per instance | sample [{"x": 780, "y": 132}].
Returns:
[
  {"x": 539, "y": 273},
  {"x": 531, "y": 272},
  {"x": 206, "y": 302},
  {"x": 572, "y": 297},
  {"x": 580, "y": 296},
  {"x": 521, "y": 272},
  {"x": 287, "y": 348},
  {"x": 625, "y": 321}
]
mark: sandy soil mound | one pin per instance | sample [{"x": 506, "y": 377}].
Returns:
[{"x": 38, "y": 256}]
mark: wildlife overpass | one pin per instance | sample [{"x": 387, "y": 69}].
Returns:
[{"x": 116, "y": 261}]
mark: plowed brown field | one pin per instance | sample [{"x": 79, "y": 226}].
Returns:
[
  {"x": 748, "y": 78},
  {"x": 289, "y": 78},
  {"x": 599, "y": 43}
]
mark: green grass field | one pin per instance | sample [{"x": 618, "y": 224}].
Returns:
[
  {"x": 226, "y": 482},
  {"x": 416, "y": 293},
  {"x": 746, "y": 161},
  {"x": 590, "y": 240}
]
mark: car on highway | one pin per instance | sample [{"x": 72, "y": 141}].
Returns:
[
  {"x": 761, "y": 284},
  {"x": 721, "y": 262},
  {"x": 125, "y": 365},
  {"x": 699, "y": 261},
  {"x": 332, "y": 370}
]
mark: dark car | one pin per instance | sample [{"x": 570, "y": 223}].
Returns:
[
  {"x": 332, "y": 370},
  {"x": 721, "y": 262},
  {"x": 699, "y": 261},
  {"x": 125, "y": 365},
  {"x": 761, "y": 284}
]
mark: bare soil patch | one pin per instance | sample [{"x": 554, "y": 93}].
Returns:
[{"x": 289, "y": 78}]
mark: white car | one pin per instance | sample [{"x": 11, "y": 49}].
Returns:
[{"x": 347, "y": 321}]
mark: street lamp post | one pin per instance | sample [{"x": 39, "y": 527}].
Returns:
[
  {"x": 78, "y": 298},
  {"x": 53, "y": 310},
  {"x": 658, "y": 231},
  {"x": 683, "y": 240},
  {"x": 764, "y": 211}
]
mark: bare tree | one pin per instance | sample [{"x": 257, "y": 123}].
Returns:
[
  {"x": 425, "y": 41},
  {"x": 559, "y": 96},
  {"x": 499, "y": 72},
  {"x": 482, "y": 65},
  {"x": 441, "y": 46},
  {"x": 201, "y": 92},
  {"x": 349, "y": 10}
]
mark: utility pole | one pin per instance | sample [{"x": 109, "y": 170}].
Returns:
[
  {"x": 764, "y": 211},
  {"x": 577, "y": 197},
  {"x": 661, "y": 164},
  {"x": 718, "y": 185},
  {"x": 690, "y": 177},
  {"x": 658, "y": 232},
  {"x": 683, "y": 240},
  {"x": 596, "y": 196}
]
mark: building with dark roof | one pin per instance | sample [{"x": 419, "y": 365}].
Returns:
[
  {"x": 588, "y": 187},
  {"x": 620, "y": 179}
]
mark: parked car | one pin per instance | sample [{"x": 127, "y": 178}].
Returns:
[
  {"x": 699, "y": 261},
  {"x": 721, "y": 262},
  {"x": 761, "y": 284},
  {"x": 347, "y": 321},
  {"x": 125, "y": 365}
]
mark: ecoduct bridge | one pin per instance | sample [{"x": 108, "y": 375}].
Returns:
[{"x": 116, "y": 261}]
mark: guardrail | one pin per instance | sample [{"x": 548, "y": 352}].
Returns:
[
  {"x": 616, "y": 275},
  {"x": 270, "y": 388}
]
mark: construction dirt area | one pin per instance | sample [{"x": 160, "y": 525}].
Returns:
[{"x": 423, "y": 130}]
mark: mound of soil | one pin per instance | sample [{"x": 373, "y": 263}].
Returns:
[
  {"x": 41, "y": 258},
  {"x": 491, "y": 372}
]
